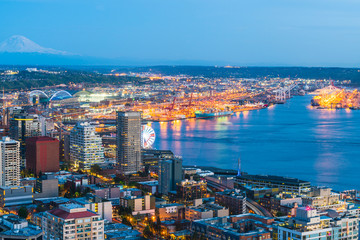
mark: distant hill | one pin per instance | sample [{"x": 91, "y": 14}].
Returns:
[{"x": 352, "y": 74}]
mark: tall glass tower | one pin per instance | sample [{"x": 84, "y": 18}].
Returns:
[{"x": 128, "y": 142}]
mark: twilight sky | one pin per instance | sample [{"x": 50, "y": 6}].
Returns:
[{"x": 238, "y": 32}]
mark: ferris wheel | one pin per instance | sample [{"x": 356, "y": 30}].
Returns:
[{"x": 147, "y": 136}]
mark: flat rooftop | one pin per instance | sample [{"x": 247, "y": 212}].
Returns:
[{"x": 273, "y": 178}]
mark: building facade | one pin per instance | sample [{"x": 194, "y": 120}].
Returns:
[
  {"x": 14, "y": 196},
  {"x": 71, "y": 221},
  {"x": 139, "y": 204},
  {"x": 322, "y": 198},
  {"x": 170, "y": 173},
  {"x": 42, "y": 154},
  {"x": 46, "y": 186},
  {"x": 285, "y": 184},
  {"x": 100, "y": 206},
  {"x": 170, "y": 211},
  {"x": 10, "y": 162},
  {"x": 85, "y": 146},
  {"x": 128, "y": 140},
  {"x": 233, "y": 199},
  {"x": 22, "y": 127},
  {"x": 308, "y": 224},
  {"x": 189, "y": 190}
]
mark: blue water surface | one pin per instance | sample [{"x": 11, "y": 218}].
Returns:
[{"x": 292, "y": 139}]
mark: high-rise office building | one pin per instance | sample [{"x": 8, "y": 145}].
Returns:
[
  {"x": 10, "y": 162},
  {"x": 170, "y": 173},
  {"x": 85, "y": 146},
  {"x": 22, "y": 127},
  {"x": 129, "y": 142},
  {"x": 42, "y": 154}
]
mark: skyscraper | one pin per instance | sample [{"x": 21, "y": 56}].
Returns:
[
  {"x": 170, "y": 173},
  {"x": 128, "y": 141},
  {"x": 42, "y": 154},
  {"x": 22, "y": 127},
  {"x": 85, "y": 146},
  {"x": 10, "y": 162}
]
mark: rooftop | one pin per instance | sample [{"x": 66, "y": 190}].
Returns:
[
  {"x": 72, "y": 211},
  {"x": 272, "y": 178},
  {"x": 149, "y": 183},
  {"x": 25, "y": 232},
  {"x": 125, "y": 234},
  {"x": 42, "y": 139}
]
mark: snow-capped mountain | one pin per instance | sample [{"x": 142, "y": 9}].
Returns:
[{"x": 21, "y": 44}]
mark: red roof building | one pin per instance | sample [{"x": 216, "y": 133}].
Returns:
[{"x": 72, "y": 221}]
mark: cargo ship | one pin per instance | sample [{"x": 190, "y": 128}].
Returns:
[{"x": 210, "y": 114}]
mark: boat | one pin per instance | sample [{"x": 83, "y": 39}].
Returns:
[{"x": 200, "y": 114}]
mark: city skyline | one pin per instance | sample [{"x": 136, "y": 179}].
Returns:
[{"x": 181, "y": 119}]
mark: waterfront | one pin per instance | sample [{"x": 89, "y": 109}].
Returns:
[{"x": 292, "y": 139}]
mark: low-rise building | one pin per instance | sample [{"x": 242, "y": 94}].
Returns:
[
  {"x": 322, "y": 198},
  {"x": 17, "y": 195},
  {"x": 235, "y": 227},
  {"x": 117, "y": 231},
  {"x": 149, "y": 186},
  {"x": 233, "y": 199},
  {"x": 139, "y": 204},
  {"x": 257, "y": 193},
  {"x": 46, "y": 186},
  {"x": 309, "y": 224},
  {"x": 280, "y": 204},
  {"x": 106, "y": 192},
  {"x": 14, "y": 227},
  {"x": 286, "y": 184},
  {"x": 100, "y": 206},
  {"x": 205, "y": 211},
  {"x": 170, "y": 211},
  {"x": 188, "y": 190},
  {"x": 223, "y": 180}
]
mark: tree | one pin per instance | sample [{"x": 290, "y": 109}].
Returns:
[
  {"x": 157, "y": 226},
  {"x": 147, "y": 232},
  {"x": 23, "y": 212},
  {"x": 96, "y": 169},
  {"x": 118, "y": 180},
  {"x": 125, "y": 221},
  {"x": 40, "y": 208}
]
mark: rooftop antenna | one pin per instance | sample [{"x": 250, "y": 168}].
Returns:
[{"x": 239, "y": 168}]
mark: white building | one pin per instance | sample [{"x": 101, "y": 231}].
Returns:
[
  {"x": 102, "y": 207},
  {"x": 10, "y": 162},
  {"x": 72, "y": 221},
  {"x": 85, "y": 146},
  {"x": 309, "y": 225}
]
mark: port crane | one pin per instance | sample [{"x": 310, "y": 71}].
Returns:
[
  {"x": 171, "y": 107},
  {"x": 284, "y": 93}
]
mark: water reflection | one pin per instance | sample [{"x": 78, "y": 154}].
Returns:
[{"x": 293, "y": 139}]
